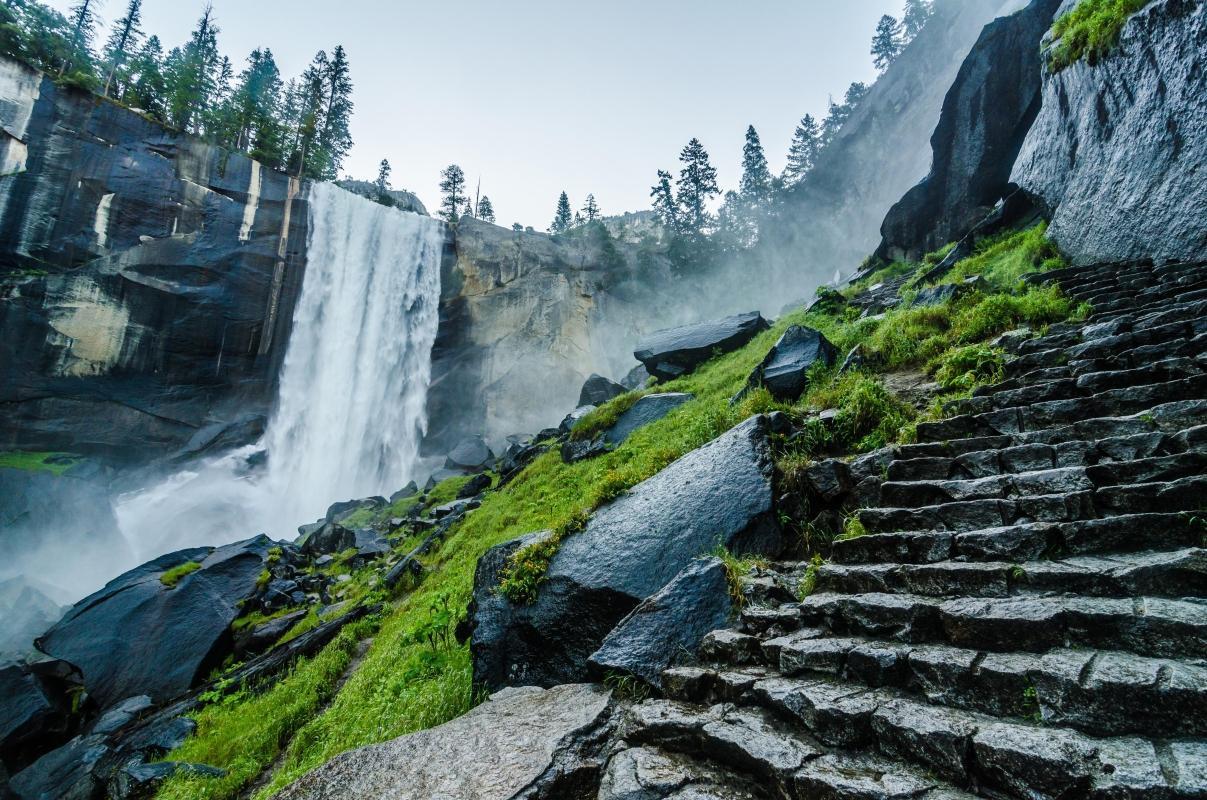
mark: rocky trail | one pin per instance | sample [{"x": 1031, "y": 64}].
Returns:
[{"x": 1023, "y": 614}]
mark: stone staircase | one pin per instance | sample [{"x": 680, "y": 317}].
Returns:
[{"x": 1025, "y": 616}]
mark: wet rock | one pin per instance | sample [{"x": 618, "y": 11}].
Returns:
[
  {"x": 582, "y": 449},
  {"x": 121, "y": 714},
  {"x": 673, "y": 352},
  {"x": 252, "y": 641},
  {"x": 650, "y": 408},
  {"x": 544, "y": 743},
  {"x": 410, "y": 490},
  {"x": 671, "y": 623},
  {"x": 855, "y": 359},
  {"x": 470, "y": 455},
  {"x": 329, "y": 538},
  {"x": 138, "y": 781},
  {"x": 598, "y": 390},
  {"x": 337, "y": 512},
  {"x": 636, "y": 378},
  {"x": 66, "y": 773},
  {"x": 785, "y": 370},
  {"x": 475, "y": 486},
  {"x": 573, "y": 418},
  {"x": 35, "y": 712}
]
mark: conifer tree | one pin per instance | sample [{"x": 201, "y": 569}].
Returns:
[
  {"x": 486, "y": 210},
  {"x": 148, "y": 87},
  {"x": 382, "y": 184},
  {"x": 83, "y": 21},
  {"x": 697, "y": 185},
  {"x": 452, "y": 187},
  {"x": 334, "y": 139},
  {"x": 123, "y": 42},
  {"x": 190, "y": 74},
  {"x": 755, "y": 185},
  {"x": 563, "y": 218},
  {"x": 590, "y": 209},
  {"x": 802, "y": 153},
  {"x": 665, "y": 207},
  {"x": 917, "y": 14},
  {"x": 886, "y": 43}
]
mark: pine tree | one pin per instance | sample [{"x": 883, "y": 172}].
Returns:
[
  {"x": 486, "y": 210},
  {"x": 855, "y": 94},
  {"x": 190, "y": 74},
  {"x": 452, "y": 187},
  {"x": 562, "y": 218},
  {"x": 590, "y": 210},
  {"x": 697, "y": 185},
  {"x": 305, "y": 109},
  {"x": 382, "y": 184},
  {"x": 665, "y": 207},
  {"x": 148, "y": 87},
  {"x": 123, "y": 41},
  {"x": 886, "y": 43},
  {"x": 334, "y": 139},
  {"x": 917, "y": 14},
  {"x": 83, "y": 21},
  {"x": 755, "y": 185},
  {"x": 802, "y": 153}
]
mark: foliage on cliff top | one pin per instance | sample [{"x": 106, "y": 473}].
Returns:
[
  {"x": 1090, "y": 30},
  {"x": 58, "y": 463}
]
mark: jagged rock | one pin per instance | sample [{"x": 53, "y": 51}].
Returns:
[
  {"x": 534, "y": 743},
  {"x": 517, "y": 456},
  {"x": 470, "y": 455},
  {"x": 673, "y": 352},
  {"x": 985, "y": 117},
  {"x": 573, "y": 418},
  {"x": 475, "y": 486},
  {"x": 35, "y": 712},
  {"x": 636, "y": 378},
  {"x": 440, "y": 476},
  {"x": 138, "y": 636},
  {"x": 650, "y": 408},
  {"x": 410, "y": 490},
  {"x": 855, "y": 359},
  {"x": 936, "y": 295},
  {"x": 121, "y": 714},
  {"x": 598, "y": 390},
  {"x": 253, "y": 641},
  {"x": 785, "y": 370},
  {"x": 720, "y": 493},
  {"x": 337, "y": 512},
  {"x": 66, "y": 773},
  {"x": 1112, "y": 156},
  {"x": 139, "y": 781},
  {"x": 671, "y": 623},
  {"x": 329, "y": 538},
  {"x": 643, "y": 773},
  {"x": 581, "y": 449}
]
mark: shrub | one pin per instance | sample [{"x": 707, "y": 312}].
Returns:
[
  {"x": 965, "y": 368},
  {"x": 1090, "y": 31}
]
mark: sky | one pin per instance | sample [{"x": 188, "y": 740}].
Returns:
[{"x": 533, "y": 97}]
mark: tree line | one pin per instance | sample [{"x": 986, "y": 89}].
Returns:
[{"x": 300, "y": 126}]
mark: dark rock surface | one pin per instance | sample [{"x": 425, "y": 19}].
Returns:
[
  {"x": 650, "y": 408},
  {"x": 138, "y": 636},
  {"x": 66, "y": 773},
  {"x": 35, "y": 714},
  {"x": 149, "y": 278},
  {"x": 673, "y": 352},
  {"x": 1115, "y": 156},
  {"x": 470, "y": 455},
  {"x": 985, "y": 117},
  {"x": 719, "y": 494},
  {"x": 598, "y": 390},
  {"x": 785, "y": 370}
]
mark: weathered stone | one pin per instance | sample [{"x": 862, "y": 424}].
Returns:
[
  {"x": 650, "y": 408},
  {"x": 66, "y": 773},
  {"x": 598, "y": 390},
  {"x": 785, "y": 370},
  {"x": 35, "y": 713},
  {"x": 673, "y": 352},
  {"x": 139, "y": 781},
  {"x": 470, "y": 455}
]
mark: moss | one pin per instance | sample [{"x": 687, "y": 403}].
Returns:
[
  {"x": 57, "y": 463},
  {"x": 177, "y": 573},
  {"x": 1090, "y": 31}
]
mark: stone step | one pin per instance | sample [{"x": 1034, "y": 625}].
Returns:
[
  {"x": 1147, "y": 626},
  {"x": 1181, "y": 341},
  {"x": 1173, "y": 573},
  {"x": 1134, "y": 311},
  {"x": 1153, "y": 301},
  {"x": 1028, "y": 542},
  {"x": 1084, "y": 378}
]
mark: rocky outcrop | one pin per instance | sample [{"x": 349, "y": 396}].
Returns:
[
  {"x": 785, "y": 370},
  {"x": 1115, "y": 157},
  {"x": 672, "y": 352},
  {"x": 986, "y": 115},
  {"x": 522, "y": 744},
  {"x": 148, "y": 279}
]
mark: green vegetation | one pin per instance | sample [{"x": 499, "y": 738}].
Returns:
[
  {"x": 58, "y": 463},
  {"x": 1090, "y": 31},
  {"x": 965, "y": 368},
  {"x": 605, "y": 416},
  {"x": 736, "y": 570},
  {"x": 177, "y": 573}
]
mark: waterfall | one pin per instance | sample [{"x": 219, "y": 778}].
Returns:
[{"x": 351, "y": 402}]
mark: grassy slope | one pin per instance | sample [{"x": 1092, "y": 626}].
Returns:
[
  {"x": 1090, "y": 30},
  {"x": 414, "y": 676}
]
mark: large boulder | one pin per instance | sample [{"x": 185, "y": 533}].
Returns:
[
  {"x": 35, "y": 712},
  {"x": 785, "y": 370},
  {"x": 669, "y": 624},
  {"x": 470, "y": 455},
  {"x": 1116, "y": 154},
  {"x": 986, "y": 116},
  {"x": 70, "y": 772},
  {"x": 650, "y": 408},
  {"x": 598, "y": 390},
  {"x": 717, "y": 495},
  {"x": 140, "y": 635},
  {"x": 531, "y": 743},
  {"x": 673, "y": 352}
]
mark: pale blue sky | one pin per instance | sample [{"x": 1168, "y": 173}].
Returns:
[{"x": 536, "y": 96}]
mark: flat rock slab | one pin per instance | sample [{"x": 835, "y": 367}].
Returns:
[
  {"x": 521, "y": 740},
  {"x": 667, "y": 354},
  {"x": 648, "y": 409}
]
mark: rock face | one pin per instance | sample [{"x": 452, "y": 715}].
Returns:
[
  {"x": 986, "y": 116},
  {"x": 139, "y": 636},
  {"x": 149, "y": 278},
  {"x": 34, "y": 714},
  {"x": 1115, "y": 156},
  {"x": 529, "y": 743},
  {"x": 669, "y": 353},
  {"x": 719, "y": 494},
  {"x": 598, "y": 390}
]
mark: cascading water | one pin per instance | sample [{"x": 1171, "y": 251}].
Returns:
[{"x": 352, "y": 394}]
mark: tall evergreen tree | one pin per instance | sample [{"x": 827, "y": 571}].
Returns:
[
  {"x": 452, "y": 187},
  {"x": 190, "y": 74},
  {"x": 802, "y": 153},
  {"x": 147, "y": 88},
  {"x": 855, "y": 94},
  {"x": 306, "y": 110},
  {"x": 590, "y": 209},
  {"x": 886, "y": 43},
  {"x": 917, "y": 14},
  {"x": 382, "y": 184},
  {"x": 123, "y": 42},
  {"x": 563, "y": 218},
  {"x": 697, "y": 185},
  {"x": 486, "y": 210},
  {"x": 665, "y": 207},
  {"x": 83, "y": 21},
  {"x": 334, "y": 139},
  {"x": 756, "y": 180}
]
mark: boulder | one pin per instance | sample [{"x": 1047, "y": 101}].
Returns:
[
  {"x": 331, "y": 537},
  {"x": 470, "y": 455},
  {"x": 572, "y": 419},
  {"x": 785, "y": 369},
  {"x": 673, "y": 352},
  {"x": 670, "y": 624},
  {"x": 121, "y": 714},
  {"x": 475, "y": 486},
  {"x": 66, "y": 773},
  {"x": 636, "y": 378},
  {"x": 598, "y": 390},
  {"x": 581, "y": 449},
  {"x": 138, "y": 636},
  {"x": 855, "y": 359},
  {"x": 410, "y": 490},
  {"x": 340, "y": 511},
  {"x": 935, "y": 295},
  {"x": 517, "y": 456},
  {"x": 441, "y": 475},
  {"x": 253, "y": 641},
  {"x": 35, "y": 710},
  {"x": 533, "y": 743},
  {"x": 650, "y": 408},
  {"x": 138, "y": 781},
  {"x": 718, "y": 494}
]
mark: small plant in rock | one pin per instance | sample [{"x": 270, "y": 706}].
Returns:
[
  {"x": 737, "y": 568},
  {"x": 173, "y": 576},
  {"x": 808, "y": 583},
  {"x": 965, "y": 368},
  {"x": 1031, "y": 708},
  {"x": 626, "y": 687},
  {"x": 852, "y": 528},
  {"x": 1090, "y": 30}
]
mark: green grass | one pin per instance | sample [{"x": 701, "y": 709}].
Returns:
[
  {"x": 177, "y": 573},
  {"x": 1090, "y": 31},
  {"x": 604, "y": 417},
  {"x": 58, "y": 463},
  {"x": 413, "y": 677},
  {"x": 1004, "y": 259}
]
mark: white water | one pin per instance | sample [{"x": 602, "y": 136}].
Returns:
[{"x": 352, "y": 394}]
